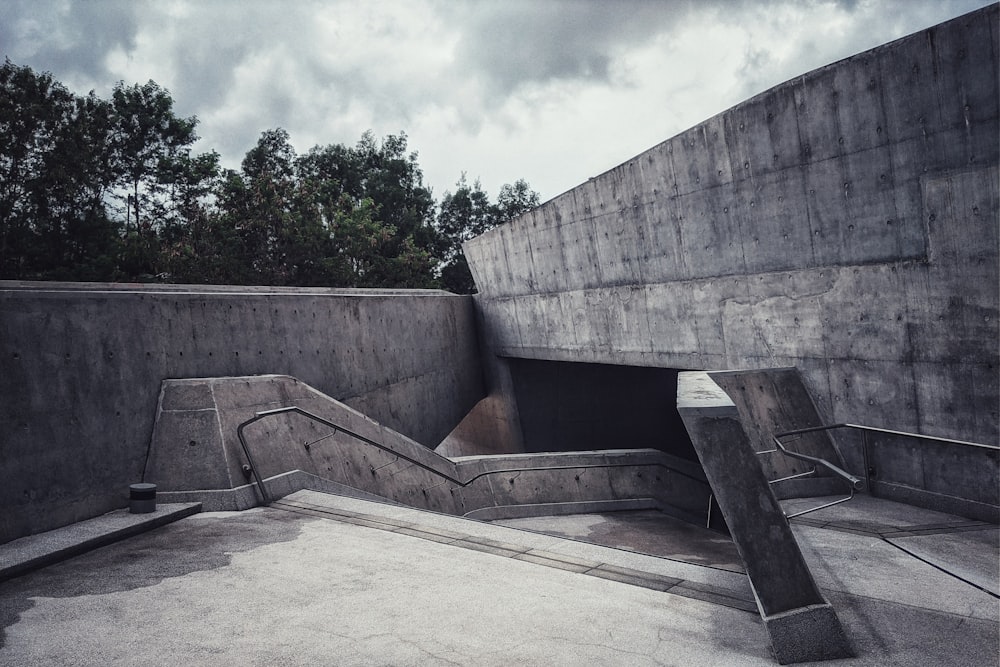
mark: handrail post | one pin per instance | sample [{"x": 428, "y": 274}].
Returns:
[
  {"x": 253, "y": 466},
  {"x": 866, "y": 457}
]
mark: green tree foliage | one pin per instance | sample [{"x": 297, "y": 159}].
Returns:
[
  {"x": 467, "y": 213},
  {"x": 94, "y": 189},
  {"x": 52, "y": 180},
  {"x": 68, "y": 163},
  {"x": 146, "y": 140},
  {"x": 395, "y": 210}
]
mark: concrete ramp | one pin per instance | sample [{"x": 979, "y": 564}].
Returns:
[{"x": 296, "y": 437}]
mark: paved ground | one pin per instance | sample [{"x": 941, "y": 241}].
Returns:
[
  {"x": 318, "y": 580},
  {"x": 642, "y": 531}
]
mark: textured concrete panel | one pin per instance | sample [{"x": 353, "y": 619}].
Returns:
[
  {"x": 289, "y": 450},
  {"x": 81, "y": 367},
  {"x": 843, "y": 222}
]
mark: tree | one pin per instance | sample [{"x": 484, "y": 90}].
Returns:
[
  {"x": 53, "y": 180},
  {"x": 467, "y": 213},
  {"x": 94, "y": 189},
  {"x": 384, "y": 173},
  {"x": 146, "y": 137}
]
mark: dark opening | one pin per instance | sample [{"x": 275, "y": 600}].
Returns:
[{"x": 568, "y": 406}]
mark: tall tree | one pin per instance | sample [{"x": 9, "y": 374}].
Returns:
[
  {"x": 94, "y": 189},
  {"x": 467, "y": 213},
  {"x": 53, "y": 180},
  {"x": 383, "y": 174},
  {"x": 146, "y": 134}
]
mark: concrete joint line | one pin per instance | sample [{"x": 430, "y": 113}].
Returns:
[{"x": 623, "y": 575}]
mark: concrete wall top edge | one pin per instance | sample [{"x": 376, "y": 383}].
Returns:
[
  {"x": 36, "y": 287},
  {"x": 697, "y": 390},
  {"x": 526, "y": 219}
]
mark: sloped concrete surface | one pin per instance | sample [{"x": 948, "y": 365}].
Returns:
[
  {"x": 643, "y": 531},
  {"x": 36, "y": 551},
  {"x": 270, "y": 586},
  {"x": 971, "y": 555},
  {"x": 321, "y": 579},
  {"x": 948, "y": 564}
]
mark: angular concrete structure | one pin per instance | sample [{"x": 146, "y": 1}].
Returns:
[
  {"x": 827, "y": 249},
  {"x": 81, "y": 368},
  {"x": 218, "y": 441},
  {"x": 844, "y": 223},
  {"x": 800, "y": 621}
]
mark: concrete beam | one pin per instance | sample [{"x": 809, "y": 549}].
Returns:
[{"x": 801, "y": 623}]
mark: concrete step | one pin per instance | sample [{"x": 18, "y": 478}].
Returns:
[{"x": 37, "y": 551}]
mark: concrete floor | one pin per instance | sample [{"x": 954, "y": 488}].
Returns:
[
  {"x": 644, "y": 531},
  {"x": 319, "y": 579}
]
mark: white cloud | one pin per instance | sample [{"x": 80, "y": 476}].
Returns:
[{"x": 554, "y": 91}]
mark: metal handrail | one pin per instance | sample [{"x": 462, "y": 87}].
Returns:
[
  {"x": 448, "y": 478},
  {"x": 873, "y": 429},
  {"x": 855, "y": 483}
]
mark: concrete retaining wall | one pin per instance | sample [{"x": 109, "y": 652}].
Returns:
[
  {"x": 81, "y": 367},
  {"x": 195, "y": 453},
  {"x": 844, "y": 223}
]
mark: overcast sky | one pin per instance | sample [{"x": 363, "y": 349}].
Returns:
[{"x": 552, "y": 91}]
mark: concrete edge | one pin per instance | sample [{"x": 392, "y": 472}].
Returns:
[
  {"x": 560, "y": 509},
  {"x": 37, "y": 551},
  {"x": 939, "y": 502},
  {"x": 800, "y": 622},
  {"x": 278, "y": 486},
  {"x": 594, "y": 567},
  {"x": 807, "y": 634}
]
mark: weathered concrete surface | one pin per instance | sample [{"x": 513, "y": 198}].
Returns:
[
  {"x": 949, "y": 477},
  {"x": 847, "y": 560},
  {"x": 642, "y": 531},
  {"x": 800, "y": 622},
  {"x": 490, "y": 427},
  {"x": 844, "y": 223},
  {"x": 412, "y": 587},
  {"x": 34, "y": 552},
  {"x": 956, "y": 477},
  {"x": 273, "y": 586},
  {"x": 81, "y": 365},
  {"x": 773, "y": 401},
  {"x": 195, "y": 447}
]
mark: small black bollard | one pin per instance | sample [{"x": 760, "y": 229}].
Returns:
[{"x": 142, "y": 498}]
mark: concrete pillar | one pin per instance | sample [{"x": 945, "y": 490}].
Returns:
[{"x": 801, "y": 624}]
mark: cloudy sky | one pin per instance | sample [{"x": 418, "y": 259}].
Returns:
[{"x": 552, "y": 91}]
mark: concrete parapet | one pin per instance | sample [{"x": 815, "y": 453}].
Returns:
[
  {"x": 196, "y": 453},
  {"x": 801, "y": 624},
  {"x": 948, "y": 476},
  {"x": 81, "y": 366}
]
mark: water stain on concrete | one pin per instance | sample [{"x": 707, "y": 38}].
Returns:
[{"x": 196, "y": 544}]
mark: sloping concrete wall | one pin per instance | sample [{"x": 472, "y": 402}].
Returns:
[
  {"x": 81, "y": 367},
  {"x": 195, "y": 453},
  {"x": 844, "y": 223}
]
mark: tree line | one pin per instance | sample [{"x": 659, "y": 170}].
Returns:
[{"x": 96, "y": 189}]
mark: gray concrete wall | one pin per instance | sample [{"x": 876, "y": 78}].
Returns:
[
  {"x": 81, "y": 367},
  {"x": 844, "y": 223},
  {"x": 195, "y": 453}
]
